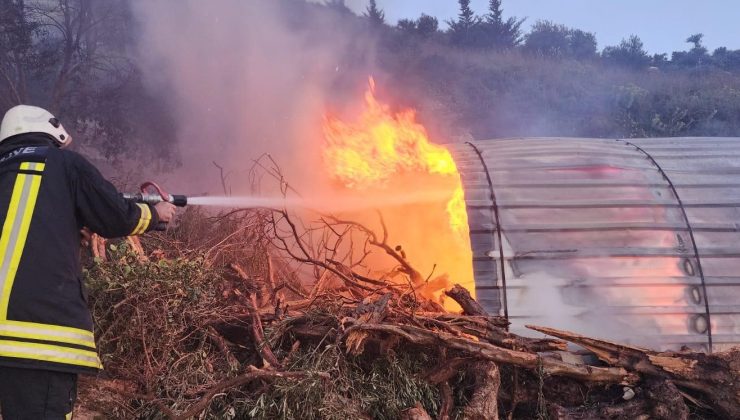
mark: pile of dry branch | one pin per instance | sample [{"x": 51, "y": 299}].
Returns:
[{"x": 226, "y": 326}]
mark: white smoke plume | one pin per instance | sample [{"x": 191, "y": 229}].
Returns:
[{"x": 246, "y": 78}]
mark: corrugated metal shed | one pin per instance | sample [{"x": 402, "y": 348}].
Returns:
[{"x": 629, "y": 239}]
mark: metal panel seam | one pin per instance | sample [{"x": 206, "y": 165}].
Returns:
[
  {"x": 691, "y": 234},
  {"x": 499, "y": 233}
]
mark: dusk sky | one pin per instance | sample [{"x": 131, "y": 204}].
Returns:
[{"x": 663, "y": 25}]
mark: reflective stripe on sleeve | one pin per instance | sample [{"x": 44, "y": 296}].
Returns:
[
  {"x": 33, "y": 166},
  {"x": 144, "y": 219},
  {"x": 49, "y": 353},
  {"x": 44, "y": 332},
  {"x": 15, "y": 229}
]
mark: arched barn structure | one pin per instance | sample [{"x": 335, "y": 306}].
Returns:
[{"x": 630, "y": 239}]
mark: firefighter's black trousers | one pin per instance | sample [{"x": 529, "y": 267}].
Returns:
[{"x": 29, "y": 394}]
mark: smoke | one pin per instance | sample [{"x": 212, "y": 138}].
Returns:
[
  {"x": 548, "y": 300},
  {"x": 244, "y": 78}
]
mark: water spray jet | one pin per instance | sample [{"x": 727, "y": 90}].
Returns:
[{"x": 151, "y": 193}]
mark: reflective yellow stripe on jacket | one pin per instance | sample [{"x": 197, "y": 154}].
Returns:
[
  {"x": 49, "y": 353},
  {"x": 43, "y": 332},
  {"x": 15, "y": 228},
  {"x": 12, "y": 241},
  {"x": 144, "y": 219}
]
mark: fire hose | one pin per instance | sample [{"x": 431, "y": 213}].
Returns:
[{"x": 153, "y": 194}]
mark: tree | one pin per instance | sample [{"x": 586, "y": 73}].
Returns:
[
  {"x": 17, "y": 55},
  {"x": 696, "y": 39},
  {"x": 698, "y": 55},
  {"x": 407, "y": 25},
  {"x": 547, "y": 39},
  {"x": 501, "y": 33},
  {"x": 338, "y": 5},
  {"x": 629, "y": 53},
  {"x": 726, "y": 59},
  {"x": 582, "y": 45},
  {"x": 495, "y": 12},
  {"x": 425, "y": 26},
  {"x": 558, "y": 41},
  {"x": 659, "y": 60},
  {"x": 466, "y": 17},
  {"x": 62, "y": 45},
  {"x": 376, "y": 15},
  {"x": 72, "y": 57},
  {"x": 465, "y": 30}
]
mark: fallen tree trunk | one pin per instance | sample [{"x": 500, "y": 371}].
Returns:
[
  {"x": 659, "y": 400},
  {"x": 714, "y": 375},
  {"x": 357, "y": 351},
  {"x": 495, "y": 331},
  {"x": 469, "y": 305},
  {"x": 484, "y": 403},
  {"x": 485, "y": 351},
  {"x": 468, "y": 343}
]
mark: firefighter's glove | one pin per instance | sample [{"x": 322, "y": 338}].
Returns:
[{"x": 165, "y": 211}]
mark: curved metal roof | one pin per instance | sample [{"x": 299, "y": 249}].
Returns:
[{"x": 629, "y": 239}]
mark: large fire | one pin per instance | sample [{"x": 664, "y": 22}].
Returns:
[{"x": 390, "y": 151}]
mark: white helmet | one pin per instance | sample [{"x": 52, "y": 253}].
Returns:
[{"x": 22, "y": 119}]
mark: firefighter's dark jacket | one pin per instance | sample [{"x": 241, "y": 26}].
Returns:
[{"x": 46, "y": 196}]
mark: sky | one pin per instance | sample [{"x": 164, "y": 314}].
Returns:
[{"x": 663, "y": 25}]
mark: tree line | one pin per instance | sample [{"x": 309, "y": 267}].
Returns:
[
  {"x": 74, "y": 58},
  {"x": 549, "y": 39},
  {"x": 482, "y": 75}
]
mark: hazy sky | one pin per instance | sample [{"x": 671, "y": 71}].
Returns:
[{"x": 663, "y": 25}]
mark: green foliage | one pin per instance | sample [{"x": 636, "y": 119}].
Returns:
[
  {"x": 144, "y": 309},
  {"x": 17, "y": 52},
  {"x": 466, "y": 31},
  {"x": 582, "y": 45},
  {"x": 707, "y": 110},
  {"x": 697, "y": 56},
  {"x": 374, "y": 14},
  {"x": 549, "y": 39},
  {"x": 427, "y": 25},
  {"x": 379, "y": 387},
  {"x": 489, "y": 31},
  {"x": 509, "y": 94},
  {"x": 407, "y": 25},
  {"x": 629, "y": 53},
  {"x": 696, "y": 39},
  {"x": 726, "y": 59},
  {"x": 477, "y": 76},
  {"x": 500, "y": 32},
  {"x": 424, "y": 27},
  {"x": 55, "y": 55},
  {"x": 338, "y": 5},
  {"x": 466, "y": 18},
  {"x": 152, "y": 320}
]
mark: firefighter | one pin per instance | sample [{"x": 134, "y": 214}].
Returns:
[{"x": 47, "y": 196}]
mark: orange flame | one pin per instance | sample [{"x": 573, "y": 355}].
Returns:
[{"x": 382, "y": 145}]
